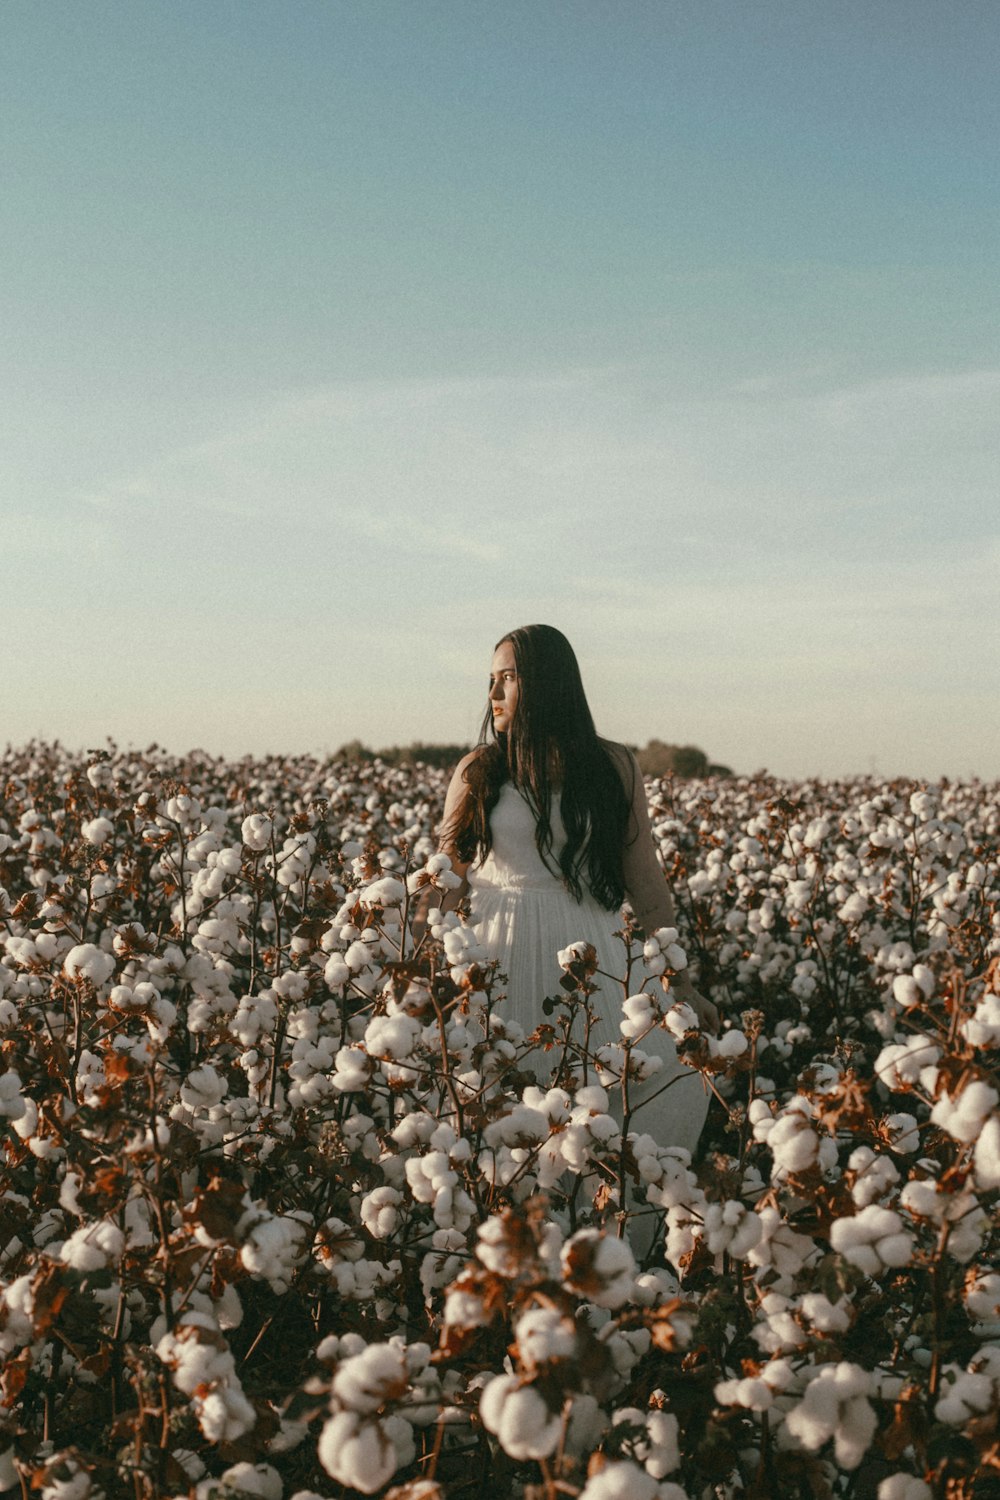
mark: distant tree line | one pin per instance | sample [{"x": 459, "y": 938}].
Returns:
[{"x": 657, "y": 759}]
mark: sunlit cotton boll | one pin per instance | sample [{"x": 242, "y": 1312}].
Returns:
[
  {"x": 904, "y": 1487},
  {"x": 519, "y": 1418},
  {"x": 98, "y": 831},
  {"x": 365, "y": 1452},
  {"x": 624, "y": 1480},
  {"x": 12, "y": 1105},
  {"x": 92, "y": 1247},
  {"x": 982, "y": 1029},
  {"x": 872, "y": 1239},
  {"x": 256, "y": 831},
  {"x": 86, "y": 961},
  {"x": 987, "y": 1155},
  {"x": 544, "y": 1334},
  {"x": 203, "y": 1088},
  {"x": 598, "y": 1267},
  {"x": 963, "y": 1117},
  {"x": 372, "y": 1377},
  {"x": 836, "y": 1406},
  {"x": 913, "y": 989},
  {"x": 261, "y": 1481}
]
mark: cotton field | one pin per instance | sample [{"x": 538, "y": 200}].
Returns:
[{"x": 290, "y": 1210}]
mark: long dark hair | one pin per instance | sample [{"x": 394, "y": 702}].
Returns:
[{"x": 551, "y": 738}]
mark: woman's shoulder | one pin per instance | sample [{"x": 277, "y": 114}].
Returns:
[
  {"x": 469, "y": 759},
  {"x": 460, "y": 775}
]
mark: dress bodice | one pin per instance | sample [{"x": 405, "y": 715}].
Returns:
[{"x": 514, "y": 862}]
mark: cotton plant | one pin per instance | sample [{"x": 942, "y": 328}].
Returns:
[{"x": 249, "y": 1098}]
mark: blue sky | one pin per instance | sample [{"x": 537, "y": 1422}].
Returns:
[{"x": 340, "y": 338}]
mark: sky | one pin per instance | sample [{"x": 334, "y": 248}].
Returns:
[{"x": 341, "y": 338}]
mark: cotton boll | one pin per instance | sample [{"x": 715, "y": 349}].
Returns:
[
  {"x": 203, "y": 1088},
  {"x": 93, "y": 1247},
  {"x": 873, "y": 1239},
  {"x": 12, "y": 1104},
  {"x": 518, "y": 1416},
  {"x": 904, "y": 1487},
  {"x": 543, "y": 1334},
  {"x": 85, "y": 961},
  {"x": 598, "y": 1267},
  {"x": 826, "y": 1316},
  {"x": 370, "y": 1379},
  {"x": 256, "y": 831},
  {"x": 982, "y": 1029},
  {"x": 258, "y": 1480},
  {"x": 731, "y": 1227},
  {"x": 98, "y": 831},
  {"x": 836, "y": 1405},
  {"x": 963, "y": 1117},
  {"x": 364, "y": 1453},
  {"x": 987, "y": 1155},
  {"x": 624, "y": 1480},
  {"x": 903, "y": 1132}
]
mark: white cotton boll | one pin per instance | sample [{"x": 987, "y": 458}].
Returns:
[
  {"x": 353, "y": 1070},
  {"x": 364, "y": 1453},
  {"x": 987, "y": 1155},
  {"x": 854, "y": 908},
  {"x": 522, "y": 1126},
  {"x": 906, "y": 991},
  {"x": 904, "y": 1487},
  {"x": 965, "y": 1394},
  {"x": 793, "y": 1142},
  {"x": 380, "y": 1211},
  {"x": 518, "y": 1416},
  {"x": 876, "y": 1175},
  {"x": 824, "y": 1315},
  {"x": 543, "y": 1334},
  {"x": 385, "y": 892},
  {"x": 256, "y": 831},
  {"x": 901, "y": 1064},
  {"x": 392, "y": 1036},
  {"x": 664, "y": 1454},
  {"x": 337, "y": 973},
  {"x": 681, "y": 1019},
  {"x": 93, "y": 1247},
  {"x": 873, "y": 1239},
  {"x": 358, "y": 956},
  {"x": 12, "y": 1104},
  {"x": 599, "y": 1267},
  {"x": 98, "y": 831},
  {"x": 982, "y": 1296},
  {"x": 731, "y": 1044},
  {"x": 732, "y": 1227},
  {"x": 624, "y": 1480},
  {"x": 903, "y": 1132},
  {"x": 639, "y": 1016},
  {"x": 371, "y": 1378},
  {"x": 982, "y": 1029},
  {"x": 203, "y": 1088},
  {"x": 963, "y": 1117},
  {"x": 258, "y": 1480},
  {"x": 85, "y": 961},
  {"x": 836, "y": 1405},
  {"x": 273, "y": 1250}
]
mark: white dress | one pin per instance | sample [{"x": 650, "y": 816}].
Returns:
[{"x": 523, "y": 915}]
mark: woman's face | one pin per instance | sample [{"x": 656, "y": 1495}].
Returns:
[{"x": 503, "y": 687}]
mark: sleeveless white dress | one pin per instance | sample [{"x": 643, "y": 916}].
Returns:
[{"x": 523, "y": 915}]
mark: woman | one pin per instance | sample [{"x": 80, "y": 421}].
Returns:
[{"x": 548, "y": 827}]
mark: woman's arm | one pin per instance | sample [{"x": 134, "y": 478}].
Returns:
[
  {"x": 454, "y": 806},
  {"x": 645, "y": 883}
]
